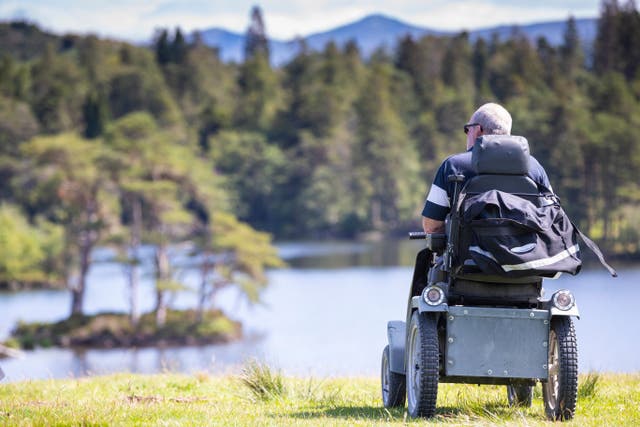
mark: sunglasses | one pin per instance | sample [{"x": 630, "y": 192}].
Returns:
[{"x": 469, "y": 125}]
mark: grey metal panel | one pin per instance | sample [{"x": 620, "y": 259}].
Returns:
[
  {"x": 497, "y": 342},
  {"x": 396, "y": 332}
]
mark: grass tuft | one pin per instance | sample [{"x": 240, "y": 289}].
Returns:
[
  {"x": 588, "y": 387},
  {"x": 263, "y": 382},
  {"x": 316, "y": 392}
]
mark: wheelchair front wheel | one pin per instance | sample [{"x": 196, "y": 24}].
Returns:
[
  {"x": 561, "y": 389},
  {"x": 422, "y": 365}
]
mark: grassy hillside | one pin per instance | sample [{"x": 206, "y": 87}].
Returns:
[{"x": 171, "y": 399}]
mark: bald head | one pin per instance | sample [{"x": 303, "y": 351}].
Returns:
[{"x": 494, "y": 119}]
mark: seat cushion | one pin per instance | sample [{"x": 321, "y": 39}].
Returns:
[{"x": 466, "y": 291}]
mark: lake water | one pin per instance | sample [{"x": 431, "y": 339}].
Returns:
[{"x": 325, "y": 314}]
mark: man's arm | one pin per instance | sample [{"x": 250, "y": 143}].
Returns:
[
  {"x": 437, "y": 203},
  {"x": 432, "y": 226}
]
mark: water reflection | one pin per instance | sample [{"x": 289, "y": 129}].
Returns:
[
  {"x": 325, "y": 314},
  {"x": 331, "y": 255}
]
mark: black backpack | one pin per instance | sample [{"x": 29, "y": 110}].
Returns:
[{"x": 512, "y": 236}]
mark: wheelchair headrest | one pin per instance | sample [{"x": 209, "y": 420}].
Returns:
[{"x": 501, "y": 155}]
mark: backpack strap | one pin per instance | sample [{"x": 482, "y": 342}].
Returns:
[
  {"x": 544, "y": 191},
  {"x": 596, "y": 250}
]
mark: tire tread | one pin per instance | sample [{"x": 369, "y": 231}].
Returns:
[
  {"x": 429, "y": 375},
  {"x": 568, "y": 370}
]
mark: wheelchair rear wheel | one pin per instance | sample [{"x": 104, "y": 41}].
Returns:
[
  {"x": 393, "y": 384},
  {"x": 422, "y": 365},
  {"x": 561, "y": 389}
]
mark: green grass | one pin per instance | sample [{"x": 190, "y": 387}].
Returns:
[{"x": 176, "y": 400}]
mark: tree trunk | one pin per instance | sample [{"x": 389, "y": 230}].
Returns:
[
  {"x": 134, "y": 258},
  {"x": 376, "y": 214},
  {"x": 161, "y": 309},
  {"x": 134, "y": 309},
  {"x": 202, "y": 292},
  {"x": 77, "y": 297},
  {"x": 162, "y": 276},
  {"x": 77, "y": 291}
]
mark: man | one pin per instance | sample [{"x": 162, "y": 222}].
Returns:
[{"x": 489, "y": 119}]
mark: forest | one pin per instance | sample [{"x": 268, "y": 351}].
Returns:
[{"x": 108, "y": 144}]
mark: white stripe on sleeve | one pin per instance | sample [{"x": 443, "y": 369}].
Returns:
[{"x": 438, "y": 196}]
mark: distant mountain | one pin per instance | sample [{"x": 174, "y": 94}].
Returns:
[
  {"x": 380, "y": 31},
  {"x": 552, "y": 31},
  {"x": 371, "y": 32}
]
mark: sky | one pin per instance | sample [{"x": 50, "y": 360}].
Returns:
[{"x": 136, "y": 20}]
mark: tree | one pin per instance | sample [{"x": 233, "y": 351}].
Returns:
[
  {"x": 479, "y": 60},
  {"x": 149, "y": 178},
  {"x": 137, "y": 89},
  {"x": 571, "y": 50},
  {"x": 422, "y": 61},
  {"x": 130, "y": 135},
  {"x": 606, "y": 48},
  {"x": 179, "y": 48},
  {"x": 66, "y": 183},
  {"x": 95, "y": 112},
  {"x": 386, "y": 159},
  {"x": 232, "y": 253},
  {"x": 258, "y": 84},
  {"x": 256, "y": 42},
  {"x": 260, "y": 96},
  {"x": 26, "y": 251},
  {"x": 54, "y": 97},
  {"x": 17, "y": 125},
  {"x": 163, "y": 48},
  {"x": 456, "y": 64},
  {"x": 629, "y": 39},
  {"x": 255, "y": 171}
]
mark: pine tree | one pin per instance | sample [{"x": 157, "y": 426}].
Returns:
[
  {"x": 178, "y": 48},
  {"x": 479, "y": 60},
  {"x": 163, "y": 49},
  {"x": 571, "y": 50},
  {"x": 256, "y": 43},
  {"x": 629, "y": 39},
  {"x": 95, "y": 112},
  {"x": 605, "y": 56}
]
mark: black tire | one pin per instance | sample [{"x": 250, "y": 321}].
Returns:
[
  {"x": 393, "y": 384},
  {"x": 520, "y": 395},
  {"x": 561, "y": 389},
  {"x": 422, "y": 365}
]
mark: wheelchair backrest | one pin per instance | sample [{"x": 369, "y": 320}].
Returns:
[{"x": 501, "y": 163}]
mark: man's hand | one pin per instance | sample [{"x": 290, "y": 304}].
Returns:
[{"x": 432, "y": 226}]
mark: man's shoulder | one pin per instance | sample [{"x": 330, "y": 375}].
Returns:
[
  {"x": 458, "y": 159},
  {"x": 459, "y": 163},
  {"x": 534, "y": 164}
]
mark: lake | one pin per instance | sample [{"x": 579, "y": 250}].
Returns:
[{"x": 323, "y": 315}]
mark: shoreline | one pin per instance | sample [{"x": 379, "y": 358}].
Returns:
[{"x": 109, "y": 330}]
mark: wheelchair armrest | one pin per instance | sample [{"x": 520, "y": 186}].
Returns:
[{"x": 435, "y": 241}]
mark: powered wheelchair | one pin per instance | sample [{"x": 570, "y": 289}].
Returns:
[{"x": 464, "y": 325}]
